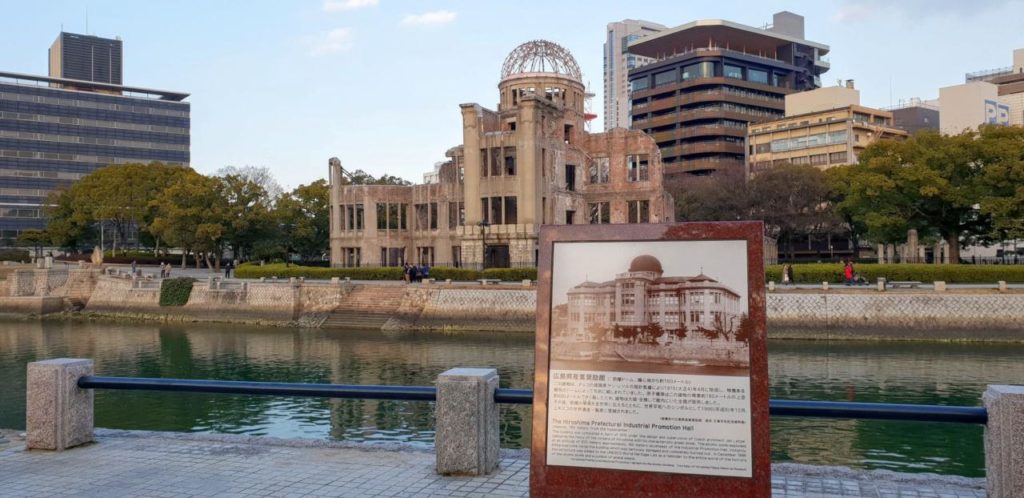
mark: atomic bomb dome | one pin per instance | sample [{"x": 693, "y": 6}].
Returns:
[{"x": 541, "y": 56}]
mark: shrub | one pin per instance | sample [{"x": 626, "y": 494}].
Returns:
[
  {"x": 815, "y": 273},
  {"x": 14, "y": 255},
  {"x": 511, "y": 274},
  {"x": 444, "y": 273},
  {"x": 175, "y": 291},
  {"x": 251, "y": 270}
]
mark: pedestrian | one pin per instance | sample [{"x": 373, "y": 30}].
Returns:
[
  {"x": 414, "y": 272},
  {"x": 406, "y": 274},
  {"x": 227, "y": 269},
  {"x": 163, "y": 271},
  {"x": 425, "y": 271},
  {"x": 848, "y": 272},
  {"x": 133, "y": 267},
  {"x": 785, "y": 275}
]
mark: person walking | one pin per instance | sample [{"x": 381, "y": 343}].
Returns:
[
  {"x": 133, "y": 267},
  {"x": 227, "y": 269},
  {"x": 406, "y": 273},
  {"x": 848, "y": 272},
  {"x": 786, "y": 278}
]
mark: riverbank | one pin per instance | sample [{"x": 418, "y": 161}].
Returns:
[
  {"x": 857, "y": 313},
  {"x": 136, "y": 463}
]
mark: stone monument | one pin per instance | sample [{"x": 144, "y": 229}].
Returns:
[{"x": 97, "y": 256}]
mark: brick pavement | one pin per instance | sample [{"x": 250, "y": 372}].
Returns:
[{"x": 166, "y": 465}]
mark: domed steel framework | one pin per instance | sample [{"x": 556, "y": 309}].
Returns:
[{"x": 541, "y": 56}]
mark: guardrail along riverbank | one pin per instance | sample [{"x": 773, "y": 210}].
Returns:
[
  {"x": 932, "y": 312},
  {"x": 467, "y": 419}
]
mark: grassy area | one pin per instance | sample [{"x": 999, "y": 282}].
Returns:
[
  {"x": 249, "y": 270},
  {"x": 815, "y": 273}
]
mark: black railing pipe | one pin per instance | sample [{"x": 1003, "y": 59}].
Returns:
[{"x": 777, "y": 407}]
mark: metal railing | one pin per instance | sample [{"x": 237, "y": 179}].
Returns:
[{"x": 777, "y": 407}]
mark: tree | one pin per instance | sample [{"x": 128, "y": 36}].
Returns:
[
  {"x": 745, "y": 332},
  {"x": 360, "y": 177},
  {"x": 260, "y": 175},
  {"x": 720, "y": 197},
  {"x": 68, "y": 226},
  {"x": 35, "y": 239},
  {"x": 245, "y": 211},
  {"x": 1002, "y": 182},
  {"x": 190, "y": 215},
  {"x": 303, "y": 219},
  {"x": 791, "y": 199},
  {"x": 929, "y": 182},
  {"x": 709, "y": 334},
  {"x": 838, "y": 179}
]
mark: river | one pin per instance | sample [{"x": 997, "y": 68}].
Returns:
[{"x": 948, "y": 374}]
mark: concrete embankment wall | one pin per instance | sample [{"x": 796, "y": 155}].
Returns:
[
  {"x": 32, "y": 291},
  {"x": 491, "y": 308},
  {"x": 268, "y": 303},
  {"x": 905, "y": 315}
]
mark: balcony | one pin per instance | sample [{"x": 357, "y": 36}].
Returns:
[{"x": 712, "y": 147}]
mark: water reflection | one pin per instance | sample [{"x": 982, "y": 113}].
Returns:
[{"x": 952, "y": 374}]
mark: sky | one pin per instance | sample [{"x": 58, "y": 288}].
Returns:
[
  {"x": 722, "y": 260},
  {"x": 378, "y": 83}
]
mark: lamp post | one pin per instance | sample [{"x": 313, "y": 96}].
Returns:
[{"x": 483, "y": 224}]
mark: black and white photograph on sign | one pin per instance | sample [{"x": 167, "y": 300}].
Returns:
[{"x": 654, "y": 307}]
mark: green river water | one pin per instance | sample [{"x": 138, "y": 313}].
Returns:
[{"x": 946, "y": 374}]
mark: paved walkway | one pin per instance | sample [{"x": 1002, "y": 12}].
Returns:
[{"x": 166, "y": 465}]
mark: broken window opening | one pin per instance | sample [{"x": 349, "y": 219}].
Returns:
[
  {"x": 510, "y": 161},
  {"x": 599, "y": 171},
  {"x": 511, "y": 208},
  {"x": 600, "y": 213}
]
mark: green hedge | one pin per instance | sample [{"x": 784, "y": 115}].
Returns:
[
  {"x": 14, "y": 255},
  {"x": 249, "y": 270},
  {"x": 815, "y": 273},
  {"x": 175, "y": 291}
]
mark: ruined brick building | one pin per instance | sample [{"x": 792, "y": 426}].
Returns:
[{"x": 527, "y": 164}]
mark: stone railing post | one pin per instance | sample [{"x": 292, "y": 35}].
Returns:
[
  {"x": 59, "y": 415},
  {"x": 467, "y": 422},
  {"x": 1004, "y": 444}
]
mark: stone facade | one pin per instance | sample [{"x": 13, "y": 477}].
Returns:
[{"x": 527, "y": 164}]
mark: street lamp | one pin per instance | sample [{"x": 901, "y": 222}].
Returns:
[{"x": 483, "y": 224}]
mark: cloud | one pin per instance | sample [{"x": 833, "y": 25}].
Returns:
[
  {"x": 334, "y": 41},
  {"x": 434, "y": 18},
  {"x": 343, "y": 5}
]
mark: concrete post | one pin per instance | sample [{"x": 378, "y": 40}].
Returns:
[
  {"x": 1004, "y": 446},
  {"x": 466, "y": 441},
  {"x": 59, "y": 415},
  {"x": 335, "y": 281},
  {"x": 940, "y": 286},
  {"x": 881, "y": 284},
  {"x": 824, "y": 286},
  {"x": 771, "y": 286},
  {"x": 1002, "y": 286}
]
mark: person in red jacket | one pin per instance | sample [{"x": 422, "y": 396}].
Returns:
[{"x": 848, "y": 272}]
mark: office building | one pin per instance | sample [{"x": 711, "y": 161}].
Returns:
[
  {"x": 643, "y": 295},
  {"x": 967, "y": 106},
  {"x": 617, "y": 64},
  {"x": 712, "y": 78},
  {"x": 1009, "y": 83},
  {"x": 528, "y": 163},
  {"x": 54, "y": 131},
  {"x": 87, "y": 58},
  {"x": 915, "y": 115},
  {"x": 824, "y": 128}
]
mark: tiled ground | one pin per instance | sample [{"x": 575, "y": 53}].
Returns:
[{"x": 181, "y": 465}]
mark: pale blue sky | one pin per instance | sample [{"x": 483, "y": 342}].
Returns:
[{"x": 288, "y": 84}]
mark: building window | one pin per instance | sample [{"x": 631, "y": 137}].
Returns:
[
  {"x": 837, "y": 157},
  {"x": 819, "y": 159},
  {"x": 496, "y": 218},
  {"x": 570, "y": 177},
  {"x": 496, "y": 161},
  {"x": 392, "y": 256},
  {"x": 421, "y": 216},
  {"x": 664, "y": 78},
  {"x": 511, "y": 216},
  {"x": 600, "y": 213},
  {"x": 757, "y": 76},
  {"x": 636, "y": 165},
  {"x": 483, "y": 163},
  {"x": 762, "y": 148},
  {"x": 570, "y": 217},
  {"x": 353, "y": 216},
  {"x": 456, "y": 214},
  {"x": 351, "y": 257},
  {"x": 457, "y": 256},
  {"x": 382, "y": 216},
  {"x": 567, "y": 134},
  {"x": 485, "y": 209},
  {"x": 599, "y": 171},
  {"x": 433, "y": 216},
  {"x": 699, "y": 70},
  {"x": 639, "y": 211},
  {"x": 733, "y": 72},
  {"x": 425, "y": 255},
  {"x": 640, "y": 84},
  {"x": 510, "y": 161}
]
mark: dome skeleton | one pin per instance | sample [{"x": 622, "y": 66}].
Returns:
[{"x": 541, "y": 56}]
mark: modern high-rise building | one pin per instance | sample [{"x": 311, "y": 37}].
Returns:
[
  {"x": 54, "y": 131},
  {"x": 713, "y": 77},
  {"x": 617, "y": 63},
  {"x": 87, "y": 58}
]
